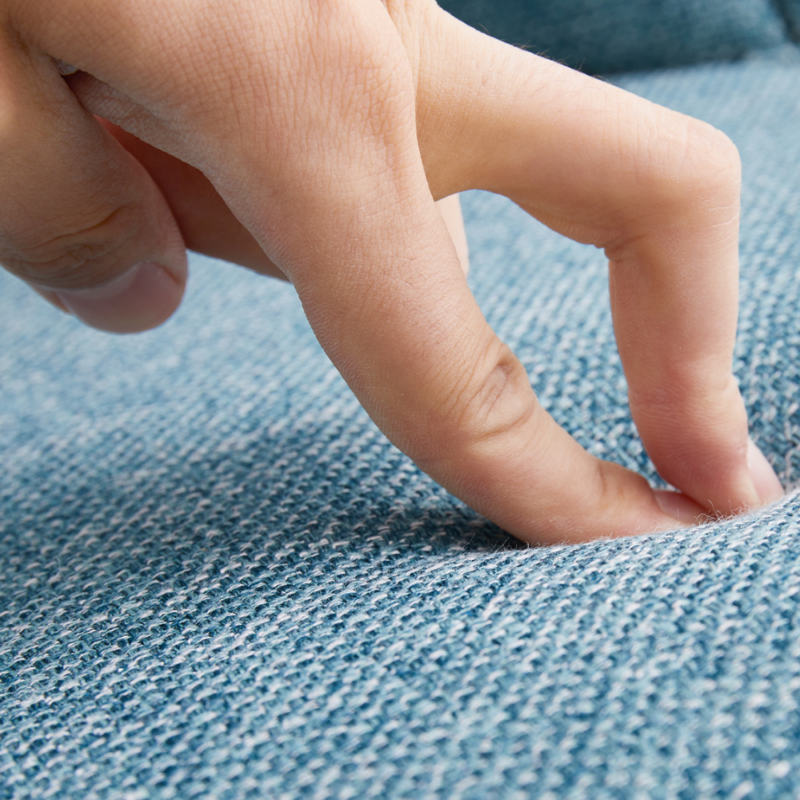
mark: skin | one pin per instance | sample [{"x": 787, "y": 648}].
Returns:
[{"x": 310, "y": 141}]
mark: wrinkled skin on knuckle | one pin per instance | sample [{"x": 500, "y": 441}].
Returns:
[
  {"x": 710, "y": 171},
  {"x": 686, "y": 388},
  {"x": 371, "y": 82},
  {"x": 311, "y": 103},
  {"x": 483, "y": 413},
  {"x": 683, "y": 169},
  {"x": 77, "y": 256}
]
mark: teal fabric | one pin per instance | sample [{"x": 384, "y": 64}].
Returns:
[
  {"x": 218, "y": 580},
  {"x": 606, "y": 36},
  {"x": 791, "y": 10}
]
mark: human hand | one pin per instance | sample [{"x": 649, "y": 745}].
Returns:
[{"x": 311, "y": 140}]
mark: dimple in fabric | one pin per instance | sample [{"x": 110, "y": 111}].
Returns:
[{"x": 218, "y": 580}]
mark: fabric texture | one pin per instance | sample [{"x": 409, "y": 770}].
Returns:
[
  {"x": 218, "y": 579},
  {"x": 606, "y": 36}
]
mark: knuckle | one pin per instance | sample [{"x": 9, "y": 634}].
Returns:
[
  {"x": 74, "y": 255},
  {"x": 711, "y": 164},
  {"x": 492, "y": 404},
  {"x": 676, "y": 171},
  {"x": 694, "y": 166}
]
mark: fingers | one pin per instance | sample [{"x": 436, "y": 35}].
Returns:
[
  {"x": 341, "y": 204},
  {"x": 308, "y": 133},
  {"x": 81, "y": 221},
  {"x": 657, "y": 190},
  {"x": 450, "y": 209},
  {"x": 205, "y": 222},
  {"x": 382, "y": 285},
  {"x": 208, "y": 226},
  {"x": 397, "y": 319}
]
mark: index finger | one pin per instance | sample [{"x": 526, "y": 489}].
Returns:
[{"x": 383, "y": 288}]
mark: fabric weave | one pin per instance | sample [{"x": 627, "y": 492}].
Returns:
[{"x": 219, "y": 580}]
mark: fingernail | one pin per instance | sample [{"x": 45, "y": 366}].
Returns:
[
  {"x": 679, "y": 506},
  {"x": 140, "y": 299},
  {"x": 766, "y": 481}
]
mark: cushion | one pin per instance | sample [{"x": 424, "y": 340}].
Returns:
[
  {"x": 604, "y": 36},
  {"x": 218, "y": 579},
  {"x": 791, "y": 10}
]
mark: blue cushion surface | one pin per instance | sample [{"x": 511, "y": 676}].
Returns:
[
  {"x": 218, "y": 579},
  {"x": 606, "y": 36},
  {"x": 791, "y": 11}
]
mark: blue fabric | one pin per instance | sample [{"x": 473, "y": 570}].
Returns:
[
  {"x": 218, "y": 580},
  {"x": 791, "y": 10},
  {"x": 605, "y": 36}
]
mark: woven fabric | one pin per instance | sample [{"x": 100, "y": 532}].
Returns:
[
  {"x": 606, "y": 36},
  {"x": 218, "y": 580}
]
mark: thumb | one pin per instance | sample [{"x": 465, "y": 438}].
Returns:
[{"x": 83, "y": 223}]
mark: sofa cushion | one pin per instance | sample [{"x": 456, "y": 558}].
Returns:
[
  {"x": 791, "y": 10},
  {"x": 605, "y": 36},
  {"x": 217, "y": 578}
]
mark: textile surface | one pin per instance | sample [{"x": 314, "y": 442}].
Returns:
[
  {"x": 606, "y": 36},
  {"x": 791, "y": 11},
  {"x": 218, "y": 580}
]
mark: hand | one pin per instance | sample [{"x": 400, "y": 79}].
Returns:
[{"x": 311, "y": 139}]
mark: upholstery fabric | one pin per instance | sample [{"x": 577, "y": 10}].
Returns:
[
  {"x": 791, "y": 11},
  {"x": 606, "y": 36},
  {"x": 218, "y": 580}
]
